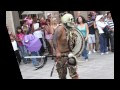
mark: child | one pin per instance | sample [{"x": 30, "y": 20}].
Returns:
[
  {"x": 24, "y": 24},
  {"x": 15, "y": 48},
  {"x": 19, "y": 38}
]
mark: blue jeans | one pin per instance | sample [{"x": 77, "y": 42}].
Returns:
[
  {"x": 85, "y": 52},
  {"x": 103, "y": 43},
  {"x": 34, "y": 60},
  {"x": 24, "y": 52}
]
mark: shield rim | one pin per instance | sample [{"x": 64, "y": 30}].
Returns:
[{"x": 82, "y": 41}]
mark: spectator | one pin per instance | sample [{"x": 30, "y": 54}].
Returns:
[
  {"x": 42, "y": 22},
  {"x": 33, "y": 45},
  {"x": 110, "y": 35},
  {"x": 28, "y": 20},
  {"x": 19, "y": 38},
  {"x": 91, "y": 37},
  {"x": 93, "y": 15},
  {"x": 97, "y": 44},
  {"x": 54, "y": 24},
  {"x": 37, "y": 32},
  {"x": 15, "y": 48},
  {"x": 35, "y": 24},
  {"x": 49, "y": 36},
  {"x": 24, "y": 24},
  {"x": 102, "y": 31},
  {"x": 83, "y": 27}
]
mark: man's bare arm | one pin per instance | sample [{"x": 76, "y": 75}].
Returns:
[{"x": 57, "y": 35}]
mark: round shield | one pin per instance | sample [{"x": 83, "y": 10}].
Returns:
[{"x": 76, "y": 42}]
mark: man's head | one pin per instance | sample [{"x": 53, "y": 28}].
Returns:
[
  {"x": 89, "y": 17},
  {"x": 68, "y": 20},
  {"x": 108, "y": 14},
  {"x": 35, "y": 19},
  {"x": 102, "y": 18},
  {"x": 99, "y": 18}
]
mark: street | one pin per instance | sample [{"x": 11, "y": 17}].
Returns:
[{"x": 98, "y": 67}]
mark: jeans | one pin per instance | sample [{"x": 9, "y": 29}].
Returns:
[
  {"x": 34, "y": 60},
  {"x": 110, "y": 37},
  {"x": 103, "y": 43},
  {"x": 97, "y": 40},
  {"x": 85, "y": 52},
  {"x": 24, "y": 52}
]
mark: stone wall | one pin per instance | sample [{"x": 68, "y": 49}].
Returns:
[
  {"x": 12, "y": 20},
  {"x": 16, "y": 19},
  {"x": 83, "y": 13},
  {"x": 54, "y": 14},
  {"x": 9, "y": 21}
]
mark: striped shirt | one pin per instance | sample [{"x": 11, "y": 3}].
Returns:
[
  {"x": 110, "y": 23},
  {"x": 91, "y": 28}
]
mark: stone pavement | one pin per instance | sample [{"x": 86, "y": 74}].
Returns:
[{"x": 98, "y": 67}]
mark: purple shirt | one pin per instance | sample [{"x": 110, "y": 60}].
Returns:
[{"x": 32, "y": 43}]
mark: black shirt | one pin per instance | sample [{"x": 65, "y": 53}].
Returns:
[{"x": 91, "y": 28}]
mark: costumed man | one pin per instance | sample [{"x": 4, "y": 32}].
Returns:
[{"x": 60, "y": 41}]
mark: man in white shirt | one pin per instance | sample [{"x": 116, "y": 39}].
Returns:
[{"x": 102, "y": 29}]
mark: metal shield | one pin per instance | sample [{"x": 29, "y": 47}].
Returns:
[{"x": 78, "y": 41}]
